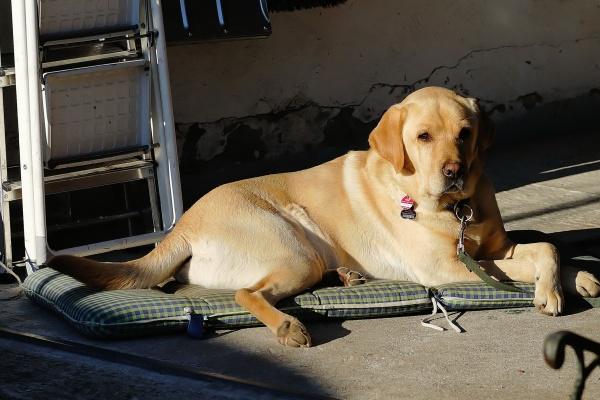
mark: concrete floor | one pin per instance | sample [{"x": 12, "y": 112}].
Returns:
[
  {"x": 543, "y": 185},
  {"x": 499, "y": 356}
]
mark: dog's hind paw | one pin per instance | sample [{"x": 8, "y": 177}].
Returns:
[
  {"x": 293, "y": 334},
  {"x": 587, "y": 284},
  {"x": 350, "y": 278}
]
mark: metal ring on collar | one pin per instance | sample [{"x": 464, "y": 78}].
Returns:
[{"x": 458, "y": 211}]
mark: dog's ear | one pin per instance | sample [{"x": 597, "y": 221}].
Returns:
[
  {"x": 487, "y": 130},
  {"x": 386, "y": 138}
]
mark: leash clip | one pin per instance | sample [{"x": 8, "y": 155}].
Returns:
[
  {"x": 460, "y": 247},
  {"x": 464, "y": 213}
]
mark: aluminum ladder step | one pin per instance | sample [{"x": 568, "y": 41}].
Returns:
[{"x": 85, "y": 179}]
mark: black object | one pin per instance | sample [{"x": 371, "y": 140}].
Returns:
[
  {"x": 554, "y": 354},
  {"x": 409, "y": 213},
  {"x": 292, "y": 5},
  {"x": 194, "y": 20}
]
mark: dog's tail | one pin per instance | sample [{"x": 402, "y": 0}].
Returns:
[{"x": 148, "y": 271}]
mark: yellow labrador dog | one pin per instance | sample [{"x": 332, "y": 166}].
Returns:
[{"x": 275, "y": 236}]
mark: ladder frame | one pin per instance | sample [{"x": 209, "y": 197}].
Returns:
[{"x": 29, "y": 111}]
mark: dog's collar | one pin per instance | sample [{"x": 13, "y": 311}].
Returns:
[{"x": 407, "y": 204}]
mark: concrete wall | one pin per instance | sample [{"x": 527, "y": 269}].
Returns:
[
  {"x": 318, "y": 85},
  {"x": 326, "y": 74}
]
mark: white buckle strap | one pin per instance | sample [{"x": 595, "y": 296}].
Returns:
[
  {"x": 426, "y": 322},
  {"x": 13, "y": 292}
]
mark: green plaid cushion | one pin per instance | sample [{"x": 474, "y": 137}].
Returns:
[
  {"x": 372, "y": 299},
  {"x": 119, "y": 313},
  {"x": 478, "y": 295},
  {"x": 593, "y": 301},
  {"x": 128, "y": 313}
]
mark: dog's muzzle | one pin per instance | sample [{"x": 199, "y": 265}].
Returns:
[
  {"x": 454, "y": 172},
  {"x": 454, "y": 185}
]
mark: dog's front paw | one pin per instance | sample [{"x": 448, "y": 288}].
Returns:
[
  {"x": 587, "y": 284},
  {"x": 548, "y": 297},
  {"x": 292, "y": 333}
]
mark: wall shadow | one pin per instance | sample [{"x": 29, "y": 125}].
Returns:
[
  {"x": 572, "y": 245},
  {"x": 550, "y": 141}
]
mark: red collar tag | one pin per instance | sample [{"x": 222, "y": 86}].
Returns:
[{"x": 407, "y": 203}]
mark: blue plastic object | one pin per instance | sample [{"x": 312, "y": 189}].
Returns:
[{"x": 195, "y": 326}]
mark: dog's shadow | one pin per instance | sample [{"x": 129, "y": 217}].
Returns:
[
  {"x": 321, "y": 332},
  {"x": 326, "y": 331},
  {"x": 576, "y": 250}
]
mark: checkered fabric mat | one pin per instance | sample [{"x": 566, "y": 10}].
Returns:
[
  {"x": 478, "y": 295},
  {"x": 141, "y": 312}
]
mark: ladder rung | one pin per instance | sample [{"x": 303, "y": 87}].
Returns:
[
  {"x": 85, "y": 179},
  {"x": 92, "y": 49},
  {"x": 111, "y": 245},
  {"x": 91, "y": 39},
  {"x": 7, "y": 78},
  {"x": 89, "y": 59},
  {"x": 104, "y": 157},
  {"x": 102, "y": 219}
]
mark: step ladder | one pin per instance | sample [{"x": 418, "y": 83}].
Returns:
[{"x": 94, "y": 109}]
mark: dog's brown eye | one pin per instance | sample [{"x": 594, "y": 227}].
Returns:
[
  {"x": 424, "y": 137},
  {"x": 465, "y": 134}
]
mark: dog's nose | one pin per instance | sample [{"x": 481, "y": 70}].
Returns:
[{"x": 452, "y": 169}]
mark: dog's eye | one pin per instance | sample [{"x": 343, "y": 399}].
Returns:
[
  {"x": 424, "y": 137},
  {"x": 465, "y": 134}
]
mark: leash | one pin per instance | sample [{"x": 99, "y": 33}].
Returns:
[
  {"x": 426, "y": 322},
  {"x": 11, "y": 292},
  {"x": 464, "y": 213}
]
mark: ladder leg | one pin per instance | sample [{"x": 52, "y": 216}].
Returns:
[
  {"x": 7, "y": 248},
  {"x": 126, "y": 198},
  {"x": 154, "y": 204},
  {"x": 7, "y": 242}
]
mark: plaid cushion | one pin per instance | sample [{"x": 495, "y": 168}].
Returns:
[
  {"x": 593, "y": 301},
  {"x": 478, "y": 295},
  {"x": 119, "y": 313},
  {"x": 372, "y": 299},
  {"x": 138, "y": 312}
]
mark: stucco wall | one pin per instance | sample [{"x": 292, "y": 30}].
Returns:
[{"x": 326, "y": 75}]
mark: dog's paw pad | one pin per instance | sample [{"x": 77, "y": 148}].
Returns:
[
  {"x": 293, "y": 334},
  {"x": 587, "y": 284}
]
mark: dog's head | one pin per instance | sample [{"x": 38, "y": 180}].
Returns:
[{"x": 439, "y": 137}]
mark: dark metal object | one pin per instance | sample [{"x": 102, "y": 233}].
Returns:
[
  {"x": 554, "y": 354},
  {"x": 293, "y": 5},
  {"x": 188, "y": 21}
]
